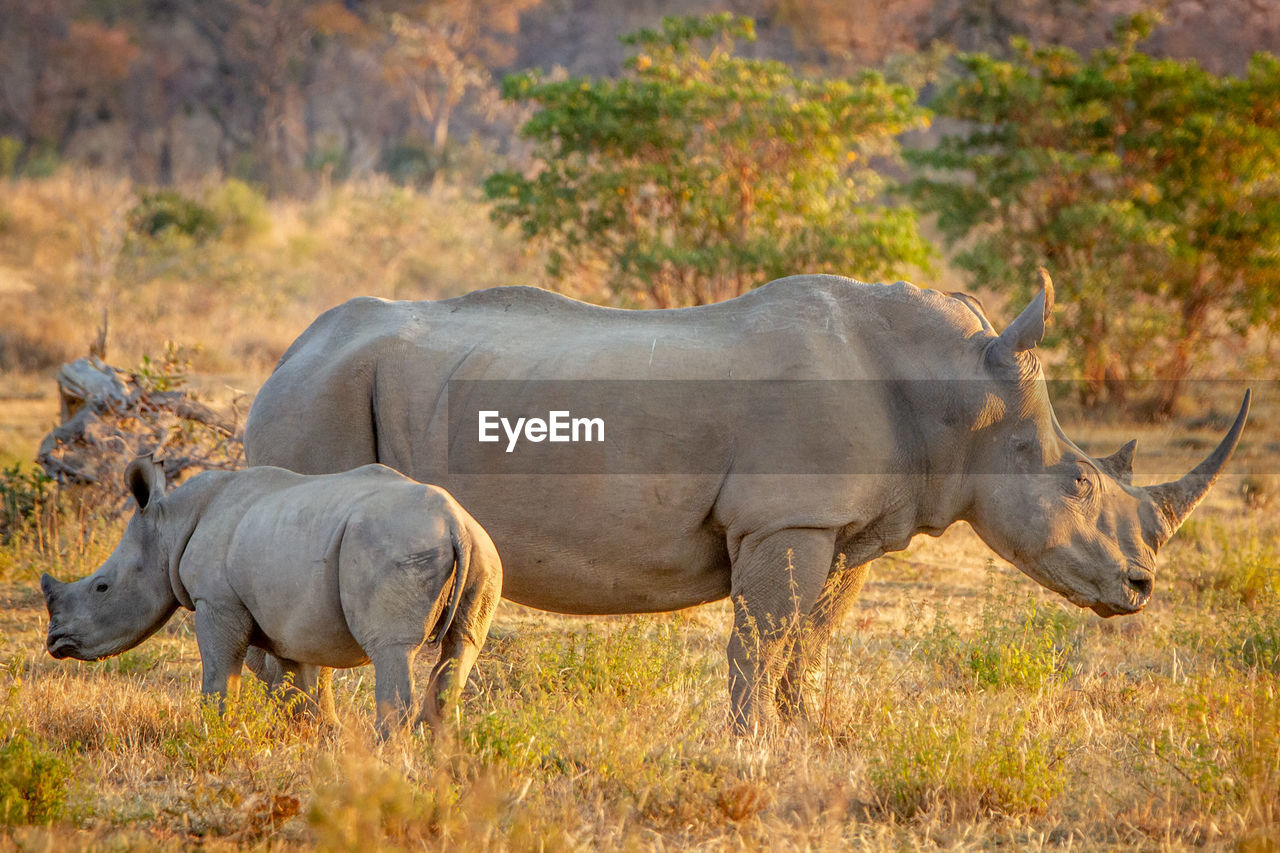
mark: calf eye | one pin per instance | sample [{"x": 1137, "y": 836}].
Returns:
[{"x": 101, "y": 586}]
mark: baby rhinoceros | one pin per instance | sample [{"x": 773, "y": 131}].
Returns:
[{"x": 334, "y": 570}]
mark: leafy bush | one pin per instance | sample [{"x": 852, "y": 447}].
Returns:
[
  {"x": 10, "y": 148},
  {"x": 410, "y": 162},
  {"x": 250, "y": 723},
  {"x": 699, "y": 174},
  {"x": 1145, "y": 184},
  {"x": 167, "y": 373},
  {"x": 161, "y": 213},
  {"x": 35, "y": 780},
  {"x": 934, "y": 756},
  {"x": 1023, "y": 647},
  {"x": 240, "y": 211},
  {"x": 24, "y": 496}
]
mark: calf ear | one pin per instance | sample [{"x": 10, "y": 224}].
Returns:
[{"x": 145, "y": 480}]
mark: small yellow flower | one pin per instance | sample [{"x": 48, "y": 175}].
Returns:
[{"x": 643, "y": 62}]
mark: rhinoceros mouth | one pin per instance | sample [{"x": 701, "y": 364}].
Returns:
[{"x": 1106, "y": 611}]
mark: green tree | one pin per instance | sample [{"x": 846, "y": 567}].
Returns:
[
  {"x": 698, "y": 174},
  {"x": 1150, "y": 187}
]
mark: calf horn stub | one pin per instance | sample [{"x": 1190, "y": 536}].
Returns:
[{"x": 1176, "y": 499}]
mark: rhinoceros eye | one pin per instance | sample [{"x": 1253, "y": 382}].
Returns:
[{"x": 100, "y": 586}]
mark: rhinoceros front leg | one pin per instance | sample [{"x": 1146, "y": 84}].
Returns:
[
  {"x": 807, "y": 656},
  {"x": 776, "y": 580},
  {"x": 222, "y": 634}
]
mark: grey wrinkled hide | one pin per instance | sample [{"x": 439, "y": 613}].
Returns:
[
  {"x": 960, "y": 412},
  {"x": 333, "y": 571}
]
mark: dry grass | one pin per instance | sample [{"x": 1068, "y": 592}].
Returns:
[{"x": 963, "y": 708}]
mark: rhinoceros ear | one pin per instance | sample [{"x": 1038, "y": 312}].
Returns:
[
  {"x": 1120, "y": 463},
  {"x": 145, "y": 480},
  {"x": 1028, "y": 329}
]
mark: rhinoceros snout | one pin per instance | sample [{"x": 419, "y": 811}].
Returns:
[
  {"x": 61, "y": 646},
  {"x": 1139, "y": 587}
]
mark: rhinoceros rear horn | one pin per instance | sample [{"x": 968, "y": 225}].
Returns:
[
  {"x": 145, "y": 480},
  {"x": 1176, "y": 499}
]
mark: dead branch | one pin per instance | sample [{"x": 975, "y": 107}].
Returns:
[{"x": 109, "y": 416}]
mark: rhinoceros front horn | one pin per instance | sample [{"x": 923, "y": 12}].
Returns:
[{"x": 1174, "y": 501}]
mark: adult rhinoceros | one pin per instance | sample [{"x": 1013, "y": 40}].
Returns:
[{"x": 938, "y": 419}]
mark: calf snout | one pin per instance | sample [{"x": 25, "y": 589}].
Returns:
[{"x": 61, "y": 644}]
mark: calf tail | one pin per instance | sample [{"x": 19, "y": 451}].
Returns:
[{"x": 461, "y": 563}]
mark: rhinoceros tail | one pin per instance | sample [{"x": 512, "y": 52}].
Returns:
[{"x": 461, "y": 562}]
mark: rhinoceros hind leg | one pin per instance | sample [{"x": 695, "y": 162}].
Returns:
[
  {"x": 776, "y": 580},
  {"x": 807, "y": 656}
]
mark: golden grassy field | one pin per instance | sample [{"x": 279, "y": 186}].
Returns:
[{"x": 964, "y": 707}]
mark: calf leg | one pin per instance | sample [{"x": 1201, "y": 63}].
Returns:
[
  {"x": 776, "y": 579},
  {"x": 314, "y": 683},
  {"x": 297, "y": 687},
  {"x": 223, "y": 638},
  {"x": 448, "y": 677},
  {"x": 266, "y": 666},
  {"x": 465, "y": 637},
  {"x": 808, "y": 653}
]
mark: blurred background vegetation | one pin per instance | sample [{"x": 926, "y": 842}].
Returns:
[{"x": 216, "y": 172}]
